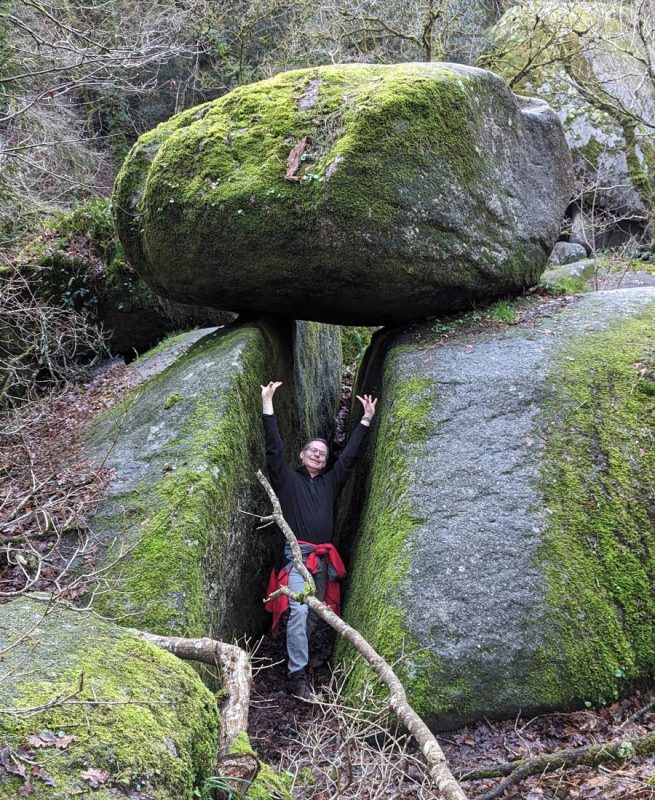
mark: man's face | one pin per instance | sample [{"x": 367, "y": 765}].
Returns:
[{"x": 314, "y": 457}]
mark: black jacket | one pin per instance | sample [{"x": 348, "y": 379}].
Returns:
[{"x": 308, "y": 503}]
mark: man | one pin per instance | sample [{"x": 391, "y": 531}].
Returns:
[{"x": 307, "y": 497}]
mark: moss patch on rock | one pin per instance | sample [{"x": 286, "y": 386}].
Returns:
[
  {"x": 185, "y": 470},
  {"x": 268, "y": 784},
  {"x": 505, "y": 553},
  {"x": 185, "y": 448},
  {"x": 394, "y": 180},
  {"x": 380, "y": 559},
  {"x": 550, "y": 49},
  {"x": 599, "y": 551},
  {"x": 78, "y": 262},
  {"x": 138, "y": 715},
  {"x": 354, "y": 341}
]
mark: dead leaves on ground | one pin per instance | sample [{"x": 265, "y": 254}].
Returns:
[
  {"x": 47, "y": 487},
  {"x": 294, "y": 159},
  {"x": 50, "y": 739},
  {"x": 95, "y": 777},
  {"x": 21, "y": 762},
  {"x": 489, "y": 743}
]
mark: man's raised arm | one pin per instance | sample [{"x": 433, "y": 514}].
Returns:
[
  {"x": 346, "y": 460},
  {"x": 276, "y": 460}
]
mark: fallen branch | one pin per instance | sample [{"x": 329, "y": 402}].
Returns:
[
  {"x": 438, "y": 769},
  {"x": 235, "y": 671},
  {"x": 619, "y": 750}
]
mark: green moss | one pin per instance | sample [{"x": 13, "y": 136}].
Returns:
[
  {"x": 78, "y": 262},
  {"x": 268, "y": 783},
  {"x": 641, "y": 166},
  {"x": 504, "y": 311},
  {"x": 167, "y": 342},
  {"x": 565, "y": 285},
  {"x": 599, "y": 552},
  {"x": 171, "y": 400},
  {"x": 354, "y": 341},
  {"x": 379, "y": 562},
  {"x": 592, "y": 150},
  {"x": 221, "y": 168},
  {"x": 170, "y": 521},
  {"x": 139, "y": 713}
]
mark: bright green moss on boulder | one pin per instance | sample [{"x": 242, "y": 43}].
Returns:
[
  {"x": 184, "y": 468},
  {"x": 380, "y": 557},
  {"x": 182, "y": 556},
  {"x": 416, "y": 188},
  {"x": 599, "y": 551},
  {"x": 505, "y": 557},
  {"x": 139, "y": 716},
  {"x": 268, "y": 784}
]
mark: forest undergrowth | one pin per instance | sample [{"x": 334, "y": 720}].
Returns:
[{"x": 335, "y": 749}]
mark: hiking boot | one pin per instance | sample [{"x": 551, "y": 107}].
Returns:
[{"x": 298, "y": 685}]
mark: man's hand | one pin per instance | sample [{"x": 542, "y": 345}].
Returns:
[
  {"x": 267, "y": 396},
  {"x": 369, "y": 404}
]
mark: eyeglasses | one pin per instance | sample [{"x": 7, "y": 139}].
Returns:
[{"x": 315, "y": 451}]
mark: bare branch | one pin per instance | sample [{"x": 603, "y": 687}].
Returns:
[
  {"x": 438, "y": 769},
  {"x": 234, "y": 668}
]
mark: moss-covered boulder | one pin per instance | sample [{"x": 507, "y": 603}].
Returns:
[
  {"x": 126, "y": 718},
  {"x": 182, "y": 556},
  {"x": 350, "y": 194},
  {"x": 589, "y": 62},
  {"x": 506, "y": 545}
]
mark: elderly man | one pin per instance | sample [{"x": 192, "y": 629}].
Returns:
[{"x": 307, "y": 497}]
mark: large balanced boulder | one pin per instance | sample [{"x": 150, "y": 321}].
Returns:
[
  {"x": 350, "y": 194},
  {"x": 177, "y": 544},
  {"x": 506, "y": 545},
  {"x": 118, "y": 716}
]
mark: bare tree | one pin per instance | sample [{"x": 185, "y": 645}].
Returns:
[
  {"x": 382, "y": 32},
  {"x": 40, "y": 344},
  {"x": 595, "y": 64},
  {"x": 67, "y": 65}
]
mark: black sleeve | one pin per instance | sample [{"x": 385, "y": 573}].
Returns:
[
  {"x": 276, "y": 460},
  {"x": 346, "y": 460}
]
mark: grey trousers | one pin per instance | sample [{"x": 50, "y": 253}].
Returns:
[{"x": 301, "y": 619}]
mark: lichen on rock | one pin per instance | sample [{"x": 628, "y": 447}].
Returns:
[{"x": 588, "y": 61}]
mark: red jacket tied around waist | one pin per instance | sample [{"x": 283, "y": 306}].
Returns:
[{"x": 332, "y": 599}]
